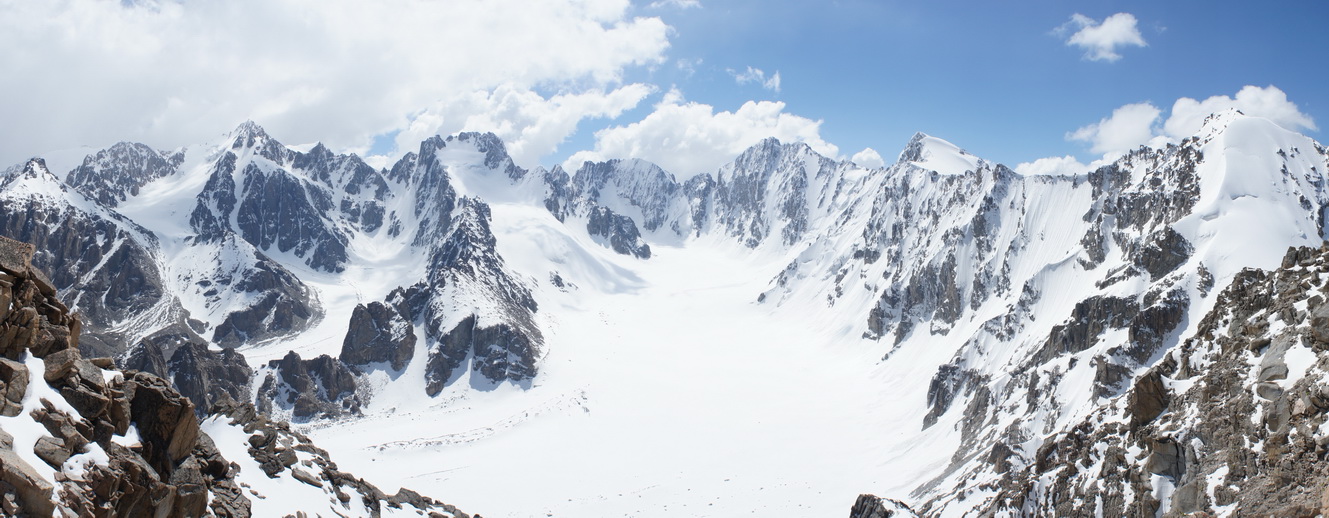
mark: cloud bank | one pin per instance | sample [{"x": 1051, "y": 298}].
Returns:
[
  {"x": 689, "y": 138},
  {"x": 1134, "y": 125},
  {"x": 91, "y": 72}
]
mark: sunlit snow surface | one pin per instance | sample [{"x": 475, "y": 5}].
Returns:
[{"x": 666, "y": 390}]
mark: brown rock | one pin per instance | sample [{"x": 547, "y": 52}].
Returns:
[
  {"x": 52, "y": 451},
  {"x": 306, "y": 477},
  {"x": 33, "y": 491},
  {"x": 16, "y": 256},
  {"x": 5, "y": 298},
  {"x": 103, "y": 362},
  {"x": 60, "y": 364},
  {"x": 14, "y": 376},
  {"x": 90, "y": 403},
  {"x": 1148, "y": 399},
  {"x": 165, "y": 421}
]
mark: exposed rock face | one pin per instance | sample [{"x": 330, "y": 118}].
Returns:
[
  {"x": 173, "y": 471},
  {"x": 486, "y": 347},
  {"x": 321, "y": 386},
  {"x": 206, "y": 376},
  {"x": 871, "y": 506},
  {"x": 281, "y": 309},
  {"x": 764, "y": 194},
  {"x": 260, "y": 206},
  {"x": 500, "y": 336},
  {"x": 379, "y": 333},
  {"x": 116, "y": 174},
  {"x": 619, "y": 231},
  {"x": 272, "y": 302},
  {"x": 25, "y": 491},
  {"x": 616, "y": 196},
  {"x": 1229, "y": 421}
]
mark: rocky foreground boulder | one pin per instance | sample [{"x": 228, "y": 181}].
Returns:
[{"x": 78, "y": 437}]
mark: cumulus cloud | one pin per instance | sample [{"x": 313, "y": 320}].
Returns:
[
  {"x": 1269, "y": 102},
  {"x": 1138, "y": 124},
  {"x": 689, "y": 138},
  {"x": 756, "y": 75},
  {"x": 341, "y": 71},
  {"x": 869, "y": 158},
  {"x": 531, "y": 125},
  {"x": 1127, "y": 128},
  {"x": 1056, "y": 165},
  {"x": 1100, "y": 40}
]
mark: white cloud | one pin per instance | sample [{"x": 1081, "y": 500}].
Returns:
[
  {"x": 1128, "y": 127},
  {"x": 869, "y": 158},
  {"x": 681, "y": 4},
  {"x": 1269, "y": 102},
  {"x": 688, "y": 138},
  {"x": 1101, "y": 40},
  {"x": 755, "y": 75},
  {"x": 531, "y": 125},
  {"x": 1143, "y": 124},
  {"x": 1056, "y": 165},
  {"x": 1138, "y": 124},
  {"x": 687, "y": 66},
  {"x": 170, "y": 73}
]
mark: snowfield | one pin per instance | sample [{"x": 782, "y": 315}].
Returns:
[{"x": 666, "y": 390}]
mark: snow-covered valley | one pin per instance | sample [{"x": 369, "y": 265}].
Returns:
[{"x": 666, "y": 390}]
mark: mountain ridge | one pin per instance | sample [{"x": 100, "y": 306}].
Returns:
[{"x": 1021, "y": 302}]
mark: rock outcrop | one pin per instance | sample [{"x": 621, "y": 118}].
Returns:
[
  {"x": 872, "y": 506},
  {"x": 1230, "y": 422},
  {"x": 619, "y": 231},
  {"x": 205, "y": 376},
  {"x": 379, "y": 333},
  {"x": 321, "y": 386},
  {"x": 116, "y": 444},
  {"x": 281, "y": 451}
]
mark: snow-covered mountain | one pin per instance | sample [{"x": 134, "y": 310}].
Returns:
[{"x": 932, "y": 325}]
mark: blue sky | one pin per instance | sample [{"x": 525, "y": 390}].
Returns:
[
  {"x": 992, "y": 77},
  {"x": 673, "y": 81}
]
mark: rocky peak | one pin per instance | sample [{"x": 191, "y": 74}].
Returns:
[
  {"x": 652, "y": 194},
  {"x": 36, "y": 167},
  {"x": 764, "y": 158},
  {"x": 495, "y": 151},
  {"x": 913, "y": 150},
  {"x": 116, "y": 174},
  {"x": 35, "y": 180},
  {"x": 1216, "y": 123},
  {"x": 938, "y": 155},
  {"x": 249, "y": 136}
]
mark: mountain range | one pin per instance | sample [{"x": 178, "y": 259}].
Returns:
[{"x": 782, "y": 334}]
